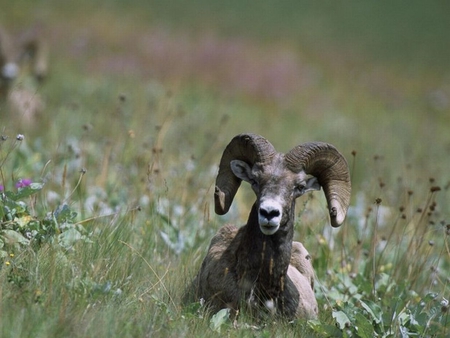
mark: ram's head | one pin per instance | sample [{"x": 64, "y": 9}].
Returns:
[{"x": 278, "y": 179}]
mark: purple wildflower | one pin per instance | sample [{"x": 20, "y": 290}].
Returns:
[
  {"x": 2, "y": 187},
  {"x": 22, "y": 183}
]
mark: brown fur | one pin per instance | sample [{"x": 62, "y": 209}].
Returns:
[
  {"x": 221, "y": 284},
  {"x": 258, "y": 266}
]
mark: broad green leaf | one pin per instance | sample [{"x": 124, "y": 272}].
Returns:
[
  {"x": 365, "y": 328},
  {"x": 13, "y": 237},
  {"x": 193, "y": 308},
  {"x": 341, "y": 319},
  {"x": 347, "y": 285},
  {"x": 365, "y": 285},
  {"x": 403, "y": 318},
  {"x": 325, "y": 330},
  {"x": 219, "y": 319},
  {"x": 63, "y": 214},
  {"x": 373, "y": 309},
  {"x": 69, "y": 238},
  {"x": 23, "y": 221},
  {"x": 28, "y": 190}
]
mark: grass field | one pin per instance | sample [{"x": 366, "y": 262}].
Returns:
[{"x": 140, "y": 101}]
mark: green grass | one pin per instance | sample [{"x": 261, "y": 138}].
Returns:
[{"x": 145, "y": 106}]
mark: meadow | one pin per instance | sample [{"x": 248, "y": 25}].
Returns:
[{"x": 106, "y": 208}]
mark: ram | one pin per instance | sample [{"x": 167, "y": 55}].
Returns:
[
  {"x": 17, "y": 52},
  {"x": 258, "y": 265},
  {"x": 22, "y": 57}
]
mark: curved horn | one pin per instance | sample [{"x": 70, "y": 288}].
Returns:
[
  {"x": 250, "y": 148},
  {"x": 324, "y": 162}
]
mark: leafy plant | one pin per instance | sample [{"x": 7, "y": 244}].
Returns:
[
  {"x": 19, "y": 229},
  {"x": 396, "y": 310},
  {"x": 219, "y": 319}
]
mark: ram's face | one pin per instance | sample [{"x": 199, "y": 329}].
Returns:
[{"x": 276, "y": 189}]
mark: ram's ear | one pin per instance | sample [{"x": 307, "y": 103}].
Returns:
[
  {"x": 305, "y": 185},
  {"x": 242, "y": 170},
  {"x": 312, "y": 184}
]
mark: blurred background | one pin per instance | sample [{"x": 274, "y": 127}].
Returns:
[{"x": 370, "y": 77}]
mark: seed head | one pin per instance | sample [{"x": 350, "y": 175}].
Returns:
[{"x": 444, "y": 305}]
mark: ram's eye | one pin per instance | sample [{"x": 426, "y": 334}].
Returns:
[
  {"x": 299, "y": 189},
  {"x": 255, "y": 185}
]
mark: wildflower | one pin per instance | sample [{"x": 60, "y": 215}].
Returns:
[
  {"x": 2, "y": 187},
  {"x": 7, "y": 263},
  {"x": 22, "y": 183},
  {"x": 19, "y": 137}
]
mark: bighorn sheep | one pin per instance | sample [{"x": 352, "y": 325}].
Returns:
[
  {"x": 259, "y": 264},
  {"x": 18, "y": 53},
  {"x": 15, "y": 52}
]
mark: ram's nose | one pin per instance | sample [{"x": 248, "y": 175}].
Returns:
[{"x": 269, "y": 216}]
